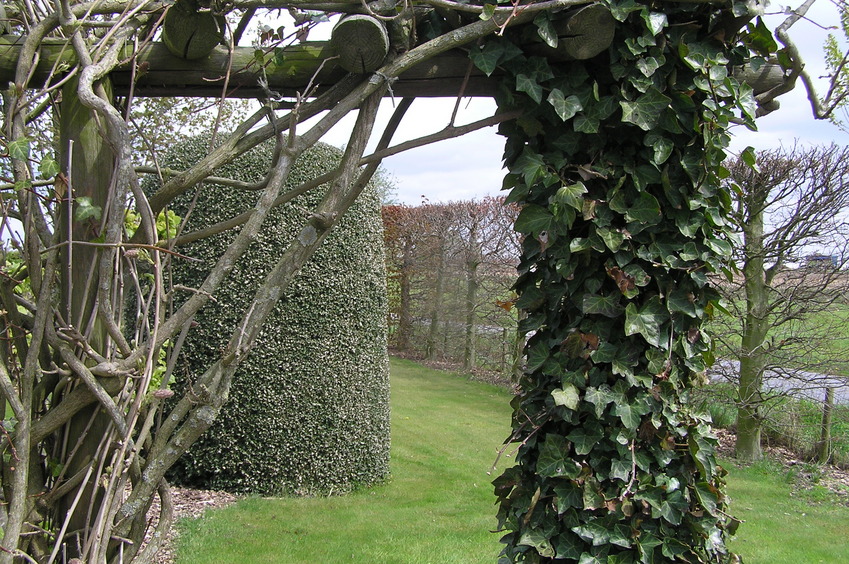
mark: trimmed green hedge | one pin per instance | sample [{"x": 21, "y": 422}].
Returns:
[{"x": 309, "y": 409}]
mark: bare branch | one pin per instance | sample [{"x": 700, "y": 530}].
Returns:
[{"x": 822, "y": 108}]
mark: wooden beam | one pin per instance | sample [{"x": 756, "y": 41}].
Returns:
[
  {"x": 361, "y": 43},
  {"x": 159, "y": 73}
]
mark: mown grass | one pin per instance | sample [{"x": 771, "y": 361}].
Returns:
[
  {"x": 438, "y": 506},
  {"x": 780, "y": 528}
]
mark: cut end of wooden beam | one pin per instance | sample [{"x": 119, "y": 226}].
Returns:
[
  {"x": 581, "y": 34},
  {"x": 361, "y": 43},
  {"x": 190, "y": 34}
]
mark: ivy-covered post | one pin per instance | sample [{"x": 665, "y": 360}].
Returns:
[{"x": 617, "y": 164}]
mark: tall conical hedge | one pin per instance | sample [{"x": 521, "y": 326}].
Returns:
[{"x": 308, "y": 411}]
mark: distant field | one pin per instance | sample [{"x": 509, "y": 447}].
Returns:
[{"x": 438, "y": 508}]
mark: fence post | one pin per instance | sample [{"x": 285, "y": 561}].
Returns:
[{"x": 824, "y": 446}]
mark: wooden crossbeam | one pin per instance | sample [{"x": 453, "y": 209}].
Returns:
[{"x": 159, "y": 73}]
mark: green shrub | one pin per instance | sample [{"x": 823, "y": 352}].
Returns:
[{"x": 308, "y": 411}]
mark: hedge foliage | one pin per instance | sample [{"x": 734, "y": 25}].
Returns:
[{"x": 309, "y": 409}]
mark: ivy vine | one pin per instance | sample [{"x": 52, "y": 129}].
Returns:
[{"x": 617, "y": 162}]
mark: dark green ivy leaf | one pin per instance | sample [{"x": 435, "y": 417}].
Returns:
[
  {"x": 554, "y": 459},
  {"x": 645, "y": 111},
  {"x": 620, "y": 536},
  {"x": 593, "y": 498},
  {"x": 546, "y": 30},
  {"x": 612, "y": 238},
  {"x": 594, "y": 532},
  {"x": 647, "y": 321},
  {"x": 539, "y": 541},
  {"x": 534, "y": 219},
  {"x": 681, "y": 300},
  {"x": 585, "y": 438},
  {"x": 621, "y": 9},
  {"x": 631, "y": 413},
  {"x": 586, "y": 124},
  {"x": 703, "y": 452},
  {"x": 568, "y": 546},
  {"x": 749, "y": 156},
  {"x": 662, "y": 146},
  {"x": 708, "y": 497},
  {"x": 487, "y": 59},
  {"x": 673, "y": 507},
  {"x": 759, "y": 38},
  {"x": 566, "y": 107},
  {"x": 538, "y": 68},
  {"x": 531, "y": 166},
  {"x": 719, "y": 246},
  {"x": 621, "y": 469},
  {"x": 607, "y": 306},
  {"x": 645, "y": 210},
  {"x": 524, "y": 83},
  {"x": 537, "y": 355},
  {"x": 568, "y": 495}
]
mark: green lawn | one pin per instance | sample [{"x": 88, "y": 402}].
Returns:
[
  {"x": 782, "y": 529},
  {"x": 439, "y": 507}
]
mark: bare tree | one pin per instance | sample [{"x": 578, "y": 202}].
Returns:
[
  {"x": 792, "y": 213},
  {"x": 455, "y": 263},
  {"x": 490, "y": 250}
]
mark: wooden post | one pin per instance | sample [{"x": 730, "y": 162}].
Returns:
[
  {"x": 88, "y": 162},
  {"x": 824, "y": 446}
]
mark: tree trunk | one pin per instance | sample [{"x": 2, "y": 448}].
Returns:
[
  {"x": 469, "y": 350},
  {"x": 405, "y": 315},
  {"x": 516, "y": 368},
  {"x": 824, "y": 446},
  {"x": 755, "y": 327},
  {"x": 436, "y": 311}
]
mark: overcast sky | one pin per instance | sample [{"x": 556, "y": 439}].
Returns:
[{"x": 470, "y": 166}]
